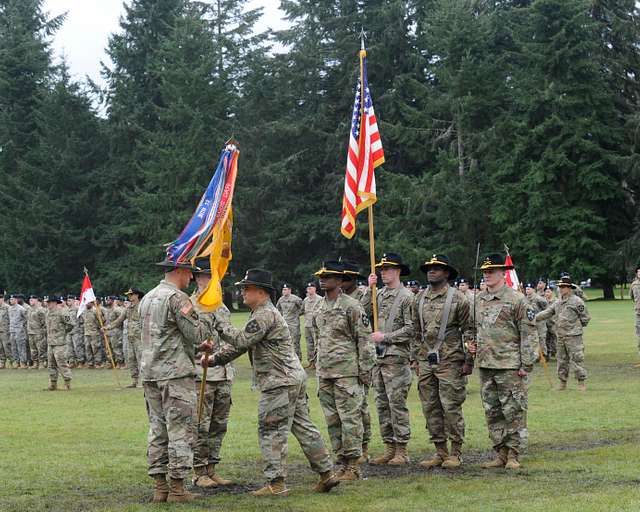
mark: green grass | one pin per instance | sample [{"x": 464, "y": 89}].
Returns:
[{"x": 85, "y": 450}]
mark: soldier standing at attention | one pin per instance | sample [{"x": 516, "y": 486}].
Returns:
[
  {"x": 6, "y": 354},
  {"x": 18, "y": 330},
  {"x": 345, "y": 358},
  {"x": 308, "y": 305},
  {"x": 538, "y": 303},
  {"x": 283, "y": 405},
  {"x": 114, "y": 318},
  {"x": 441, "y": 318},
  {"x": 504, "y": 355},
  {"x": 92, "y": 337},
  {"x": 171, "y": 331},
  {"x": 634, "y": 294},
  {"x": 463, "y": 286},
  {"x": 392, "y": 374},
  {"x": 37, "y": 330},
  {"x": 58, "y": 326},
  {"x": 551, "y": 324},
  {"x": 75, "y": 360},
  {"x": 290, "y": 307},
  {"x": 571, "y": 317}
]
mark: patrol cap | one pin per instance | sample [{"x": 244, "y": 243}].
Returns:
[
  {"x": 55, "y": 298},
  {"x": 529, "y": 285},
  {"x": 393, "y": 260},
  {"x": 16, "y": 296},
  {"x": 495, "y": 261},
  {"x": 310, "y": 285},
  {"x": 462, "y": 280},
  {"x": 37, "y": 297},
  {"x": 442, "y": 261}
]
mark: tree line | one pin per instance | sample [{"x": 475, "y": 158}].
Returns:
[{"x": 503, "y": 122}]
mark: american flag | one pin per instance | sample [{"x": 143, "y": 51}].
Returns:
[{"x": 364, "y": 155}]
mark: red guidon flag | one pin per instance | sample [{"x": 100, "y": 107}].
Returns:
[
  {"x": 512, "y": 276},
  {"x": 364, "y": 155},
  {"x": 86, "y": 295}
]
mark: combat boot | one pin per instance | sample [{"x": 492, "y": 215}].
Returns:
[
  {"x": 177, "y": 492},
  {"x": 512, "y": 460},
  {"x": 211, "y": 471},
  {"x": 36, "y": 365},
  {"x": 23, "y": 366},
  {"x": 274, "y": 488},
  {"x": 72, "y": 365},
  {"x": 134, "y": 384},
  {"x": 454, "y": 461},
  {"x": 2, "y": 365},
  {"x": 327, "y": 482},
  {"x": 562, "y": 385},
  {"x": 202, "y": 479},
  {"x": 498, "y": 462},
  {"x": 350, "y": 471},
  {"x": 161, "y": 490},
  {"x": 401, "y": 456},
  {"x": 364, "y": 458},
  {"x": 582, "y": 386},
  {"x": 53, "y": 385},
  {"x": 45, "y": 365},
  {"x": 67, "y": 384},
  {"x": 389, "y": 452},
  {"x": 437, "y": 458}
]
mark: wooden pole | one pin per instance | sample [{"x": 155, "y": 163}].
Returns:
[
  {"x": 372, "y": 256},
  {"x": 107, "y": 345},
  {"x": 203, "y": 387}
]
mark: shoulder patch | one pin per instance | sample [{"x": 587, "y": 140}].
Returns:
[
  {"x": 365, "y": 320},
  {"x": 252, "y": 327},
  {"x": 186, "y": 308},
  {"x": 531, "y": 314},
  {"x": 581, "y": 307}
]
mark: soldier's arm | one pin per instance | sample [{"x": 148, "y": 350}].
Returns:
[
  {"x": 405, "y": 333},
  {"x": 583, "y": 314},
  {"x": 194, "y": 328},
  {"x": 366, "y": 302},
  {"x": 279, "y": 305},
  {"x": 238, "y": 341},
  {"x": 547, "y": 313},
  {"x": 361, "y": 330},
  {"x": 118, "y": 321},
  {"x": 524, "y": 320},
  {"x": 463, "y": 310},
  {"x": 416, "y": 339}
]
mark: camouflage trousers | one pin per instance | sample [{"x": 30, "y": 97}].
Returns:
[
  {"x": 75, "y": 348},
  {"x": 38, "y": 348},
  {"x": 5, "y": 347},
  {"x": 280, "y": 411},
  {"x": 311, "y": 344},
  {"x": 213, "y": 427},
  {"x": 542, "y": 338},
  {"x": 171, "y": 407},
  {"x": 57, "y": 363},
  {"x": 391, "y": 381},
  {"x": 366, "y": 415},
  {"x": 341, "y": 402},
  {"x": 19, "y": 346},
  {"x": 552, "y": 341},
  {"x": 638, "y": 329},
  {"x": 571, "y": 354},
  {"x": 295, "y": 337},
  {"x": 115, "y": 340},
  {"x": 504, "y": 398},
  {"x": 93, "y": 349},
  {"x": 133, "y": 358},
  {"x": 443, "y": 390}
]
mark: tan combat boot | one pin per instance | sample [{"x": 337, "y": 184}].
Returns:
[
  {"x": 202, "y": 479},
  {"x": 327, "y": 482},
  {"x": 364, "y": 458},
  {"x": 582, "y": 386},
  {"x": 36, "y": 365},
  {"x": 2, "y": 363},
  {"x": 437, "y": 458},
  {"x": 350, "y": 471},
  {"x": 177, "y": 492},
  {"x": 454, "y": 461},
  {"x": 53, "y": 385},
  {"x": 67, "y": 385},
  {"x": 389, "y": 452},
  {"x": 401, "y": 457},
  {"x": 211, "y": 471},
  {"x": 512, "y": 460},
  {"x": 72, "y": 365},
  {"x": 161, "y": 490},
  {"x": 562, "y": 385},
  {"x": 498, "y": 462},
  {"x": 274, "y": 488}
]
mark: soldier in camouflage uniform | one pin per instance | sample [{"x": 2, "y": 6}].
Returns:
[
  {"x": 505, "y": 336},
  {"x": 92, "y": 337},
  {"x": 541, "y": 286},
  {"x": 351, "y": 275},
  {"x": 345, "y": 358},
  {"x": 440, "y": 361},
  {"x": 37, "y": 330},
  {"x": 463, "y": 286},
  {"x": 392, "y": 374},
  {"x": 6, "y": 354},
  {"x": 171, "y": 331},
  {"x": 551, "y": 324},
  {"x": 308, "y": 305},
  {"x": 18, "y": 330},
  {"x": 114, "y": 317},
  {"x": 74, "y": 357},
  {"x": 290, "y": 306},
  {"x": 58, "y": 326},
  {"x": 217, "y": 392},
  {"x": 634, "y": 294},
  {"x": 283, "y": 407},
  {"x": 538, "y": 303},
  {"x": 571, "y": 317}
]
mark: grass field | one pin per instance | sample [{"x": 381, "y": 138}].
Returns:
[{"x": 84, "y": 450}]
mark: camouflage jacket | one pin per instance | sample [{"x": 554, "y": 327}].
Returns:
[
  {"x": 4, "y": 319},
  {"x": 506, "y": 334},
  {"x": 551, "y": 321},
  {"x": 37, "y": 321},
  {"x": 73, "y": 316},
  {"x": 536, "y": 302},
  {"x": 222, "y": 314},
  {"x": 571, "y": 315},
  {"x": 267, "y": 339},
  {"x": 357, "y": 294},
  {"x": 90, "y": 322},
  {"x": 459, "y": 325},
  {"x": 398, "y": 336},
  {"x": 17, "y": 318},
  {"x": 291, "y": 308},
  {"x": 308, "y": 305},
  {"x": 114, "y": 317},
  {"x": 634, "y": 293},
  {"x": 171, "y": 330},
  {"x": 134, "y": 330},
  {"x": 58, "y": 326},
  {"x": 342, "y": 334}
]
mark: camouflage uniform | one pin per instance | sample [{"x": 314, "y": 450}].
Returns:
[
  {"x": 217, "y": 398},
  {"x": 278, "y": 373},
  {"x": 552, "y": 339},
  {"x": 171, "y": 330},
  {"x": 506, "y": 335},
  {"x": 115, "y": 316},
  {"x": 539, "y": 303},
  {"x": 392, "y": 374},
  {"x": 5, "y": 343},
  {"x": 634, "y": 294},
  {"x": 442, "y": 386},
  {"x": 571, "y": 316},
  {"x": 92, "y": 337},
  {"x": 58, "y": 326},
  {"x": 130, "y": 316},
  {"x": 344, "y": 353},
  {"x": 75, "y": 339},
  {"x": 308, "y": 305},
  {"x": 291, "y": 308},
  {"x": 18, "y": 332},
  {"x": 37, "y": 330}
]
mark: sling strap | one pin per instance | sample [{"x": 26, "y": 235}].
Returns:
[{"x": 445, "y": 317}]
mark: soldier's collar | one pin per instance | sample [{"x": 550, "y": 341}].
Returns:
[{"x": 432, "y": 294}]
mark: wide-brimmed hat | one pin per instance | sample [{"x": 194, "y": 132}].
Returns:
[
  {"x": 495, "y": 261},
  {"x": 331, "y": 268},
  {"x": 351, "y": 270},
  {"x": 257, "y": 277},
  {"x": 442, "y": 261},
  {"x": 565, "y": 280},
  {"x": 134, "y": 291},
  {"x": 392, "y": 260},
  {"x": 167, "y": 263},
  {"x": 202, "y": 266}
]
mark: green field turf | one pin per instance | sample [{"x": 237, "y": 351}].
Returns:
[{"x": 85, "y": 450}]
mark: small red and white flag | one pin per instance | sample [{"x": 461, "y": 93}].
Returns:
[
  {"x": 86, "y": 295},
  {"x": 512, "y": 276}
]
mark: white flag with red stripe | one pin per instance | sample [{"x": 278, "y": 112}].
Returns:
[
  {"x": 512, "y": 276},
  {"x": 86, "y": 295},
  {"x": 364, "y": 155}
]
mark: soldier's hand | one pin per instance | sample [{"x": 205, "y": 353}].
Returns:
[
  {"x": 364, "y": 378},
  {"x": 522, "y": 372},
  {"x": 472, "y": 347},
  {"x": 373, "y": 280},
  {"x": 377, "y": 337},
  {"x": 467, "y": 369},
  {"x": 416, "y": 368},
  {"x": 206, "y": 346},
  {"x": 204, "y": 360}
]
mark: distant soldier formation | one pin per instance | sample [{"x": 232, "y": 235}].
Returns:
[{"x": 356, "y": 339}]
